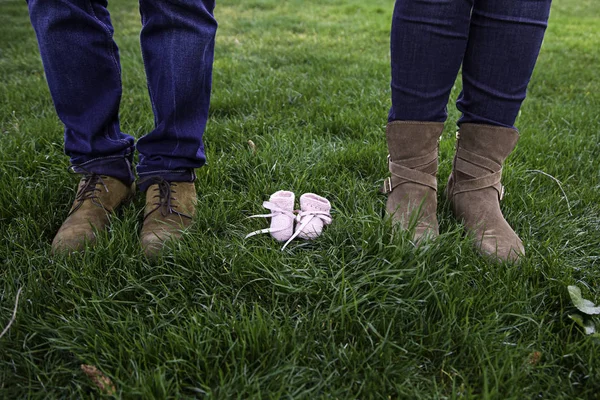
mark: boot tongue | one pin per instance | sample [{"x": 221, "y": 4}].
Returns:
[
  {"x": 493, "y": 142},
  {"x": 313, "y": 202}
]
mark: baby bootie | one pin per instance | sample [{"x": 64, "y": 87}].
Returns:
[
  {"x": 281, "y": 205},
  {"x": 313, "y": 216}
]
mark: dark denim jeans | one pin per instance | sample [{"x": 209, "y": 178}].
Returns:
[
  {"x": 496, "y": 41},
  {"x": 81, "y": 61}
]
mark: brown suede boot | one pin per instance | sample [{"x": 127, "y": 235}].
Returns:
[
  {"x": 474, "y": 189},
  {"x": 97, "y": 197},
  {"x": 412, "y": 188},
  {"x": 170, "y": 208}
]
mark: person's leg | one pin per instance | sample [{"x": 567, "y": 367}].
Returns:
[
  {"x": 428, "y": 41},
  {"x": 81, "y": 63},
  {"x": 178, "y": 39},
  {"x": 504, "y": 43}
]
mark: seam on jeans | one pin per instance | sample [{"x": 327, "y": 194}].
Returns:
[
  {"x": 110, "y": 42},
  {"x": 101, "y": 159},
  {"x": 111, "y": 49},
  {"x": 129, "y": 168},
  {"x": 150, "y": 93},
  {"x": 164, "y": 171},
  {"x": 174, "y": 93}
]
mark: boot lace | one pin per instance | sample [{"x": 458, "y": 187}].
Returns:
[
  {"x": 89, "y": 190},
  {"x": 164, "y": 196}
]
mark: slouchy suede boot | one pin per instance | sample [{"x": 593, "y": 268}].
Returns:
[
  {"x": 97, "y": 197},
  {"x": 474, "y": 189},
  {"x": 412, "y": 186},
  {"x": 170, "y": 209}
]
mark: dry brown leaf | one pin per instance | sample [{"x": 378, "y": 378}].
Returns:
[
  {"x": 100, "y": 380},
  {"x": 534, "y": 358},
  {"x": 252, "y": 146}
]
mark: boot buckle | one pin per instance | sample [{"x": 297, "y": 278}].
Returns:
[
  {"x": 501, "y": 192},
  {"x": 387, "y": 185}
]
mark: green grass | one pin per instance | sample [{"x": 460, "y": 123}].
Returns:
[{"x": 354, "y": 314}]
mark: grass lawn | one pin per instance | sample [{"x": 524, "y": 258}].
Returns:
[{"x": 355, "y": 314}]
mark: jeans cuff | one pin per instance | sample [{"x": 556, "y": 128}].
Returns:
[
  {"x": 182, "y": 175},
  {"x": 118, "y": 167}
]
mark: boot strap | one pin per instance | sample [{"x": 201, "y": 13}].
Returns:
[
  {"x": 407, "y": 172},
  {"x": 485, "y": 172}
]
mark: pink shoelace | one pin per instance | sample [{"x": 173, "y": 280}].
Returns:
[{"x": 302, "y": 219}]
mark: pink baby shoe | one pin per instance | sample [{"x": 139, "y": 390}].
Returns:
[
  {"x": 282, "y": 216},
  {"x": 313, "y": 215}
]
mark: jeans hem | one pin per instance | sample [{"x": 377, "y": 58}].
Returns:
[
  {"x": 182, "y": 175},
  {"x": 118, "y": 167}
]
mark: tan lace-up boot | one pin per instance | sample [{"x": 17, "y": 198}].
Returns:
[
  {"x": 412, "y": 187},
  {"x": 474, "y": 189},
  {"x": 97, "y": 198},
  {"x": 170, "y": 209}
]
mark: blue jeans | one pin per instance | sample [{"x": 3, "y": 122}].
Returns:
[
  {"x": 496, "y": 41},
  {"x": 81, "y": 62}
]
